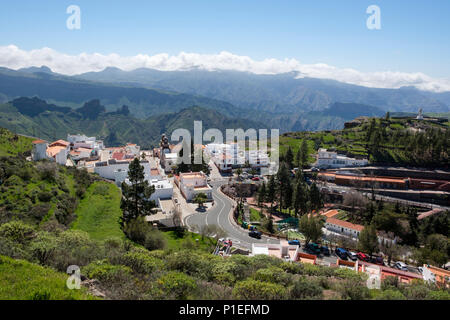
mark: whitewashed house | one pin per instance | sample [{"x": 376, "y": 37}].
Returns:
[
  {"x": 39, "y": 151},
  {"x": 330, "y": 159}
]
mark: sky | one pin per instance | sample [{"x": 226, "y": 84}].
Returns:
[{"x": 320, "y": 38}]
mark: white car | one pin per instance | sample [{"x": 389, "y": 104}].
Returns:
[{"x": 401, "y": 266}]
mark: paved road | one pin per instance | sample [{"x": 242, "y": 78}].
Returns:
[{"x": 220, "y": 215}]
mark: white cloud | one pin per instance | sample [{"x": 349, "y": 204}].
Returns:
[{"x": 13, "y": 57}]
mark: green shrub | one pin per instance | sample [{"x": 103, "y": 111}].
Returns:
[
  {"x": 353, "y": 289},
  {"x": 305, "y": 289},
  {"x": 155, "y": 240},
  {"x": 273, "y": 274},
  {"x": 43, "y": 247},
  {"x": 390, "y": 294},
  {"x": 177, "y": 285},
  {"x": 141, "y": 262},
  {"x": 257, "y": 290},
  {"x": 17, "y": 231},
  {"x": 105, "y": 272}
]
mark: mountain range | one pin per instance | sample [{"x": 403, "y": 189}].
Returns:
[
  {"x": 282, "y": 101},
  {"x": 37, "y": 118}
]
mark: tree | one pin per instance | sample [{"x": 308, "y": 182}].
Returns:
[
  {"x": 368, "y": 240},
  {"x": 302, "y": 154},
  {"x": 310, "y": 227},
  {"x": 289, "y": 157},
  {"x": 136, "y": 196},
  {"x": 300, "y": 201},
  {"x": 315, "y": 197},
  {"x": 261, "y": 195},
  {"x": 200, "y": 198},
  {"x": 271, "y": 192}
]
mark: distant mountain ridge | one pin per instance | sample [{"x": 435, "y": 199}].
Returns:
[
  {"x": 280, "y": 92},
  {"x": 48, "y": 121}
]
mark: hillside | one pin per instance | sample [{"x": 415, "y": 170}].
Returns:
[
  {"x": 12, "y": 144},
  {"x": 35, "y": 117},
  {"x": 392, "y": 141},
  {"x": 66, "y": 91},
  {"x": 22, "y": 280}
]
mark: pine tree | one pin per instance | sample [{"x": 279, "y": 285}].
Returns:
[
  {"x": 315, "y": 197},
  {"x": 368, "y": 240},
  {"x": 271, "y": 192},
  {"x": 289, "y": 158},
  {"x": 136, "y": 196},
  {"x": 262, "y": 195}
]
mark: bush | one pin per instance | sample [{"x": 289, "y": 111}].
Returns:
[
  {"x": 305, "y": 289},
  {"x": 43, "y": 247},
  {"x": 353, "y": 290},
  {"x": 177, "y": 285},
  {"x": 258, "y": 290},
  {"x": 274, "y": 275},
  {"x": 17, "y": 231},
  {"x": 141, "y": 262},
  {"x": 390, "y": 294},
  {"x": 155, "y": 240},
  {"x": 291, "y": 267},
  {"x": 105, "y": 272},
  {"x": 45, "y": 196}
]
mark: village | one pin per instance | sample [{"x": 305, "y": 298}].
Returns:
[{"x": 176, "y": 196}]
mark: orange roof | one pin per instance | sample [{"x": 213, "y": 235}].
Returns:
[
  {"x": 53, "y": 151},
  {"x": 60, "y": 142},
  {"x": 381, "y": 179},
  {"x": 331, "y": 213},
  {"x": 345, "y": 224},
  {"x": 39, "y": 141}
]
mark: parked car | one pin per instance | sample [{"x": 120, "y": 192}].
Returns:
[
  {"x": 294, "y": 242},
  {"x": 252, "y": 228},
  {"x": 313, "y": 248},
  {"x": 352, "y": 255},
  {"x": 255, "y": 234},
  {"x": 255, "y": 179},
  {"x": 420, "y": 269},
  {"x": 377, "y": 260},
  {"x": 401, "y": 266},
  {"x": 314, "y": 169},
  {"x": 342, "y": 253},
  {"x": 362, "y": 256},
  {"x": 325, "y": 250}
]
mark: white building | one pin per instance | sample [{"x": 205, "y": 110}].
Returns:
[
  {"x": 343, "y": 227},
  {"x": 193, "y": 183},
  {"x": 225, "y": 155},
  {"x": 82, "y": 141},
  {"x": 257, "y": 158},
  {"x": 329, "y": 159},
  {"x": 281, "y": 251},
  {"x": 39, "y": 151},
  {"x": 108, "y": 169}
]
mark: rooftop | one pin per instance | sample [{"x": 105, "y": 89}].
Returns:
[{"x": 345, "y": 224}]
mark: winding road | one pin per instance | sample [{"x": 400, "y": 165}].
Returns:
[{"x": 220, "y": 215}]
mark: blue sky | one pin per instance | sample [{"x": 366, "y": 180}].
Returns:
[{"x": 414, "y": 35}]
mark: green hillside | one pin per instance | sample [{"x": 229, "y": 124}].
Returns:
[
  {"x": 22, "y": 280},
  {"x": 383, "y": 141},
  {"x": 12, "y": 144},
  {"x": 35, "y": 117}
]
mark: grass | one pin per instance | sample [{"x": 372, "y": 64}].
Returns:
[
  {"x": 176, "y": 242},
  {"x": 98, "y": 213},
  {"x": 12, "y": 145},
  {"x": 255, "y": 215},
  {"x": 22, "y": 280}
]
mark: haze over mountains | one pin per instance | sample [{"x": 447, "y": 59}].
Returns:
[{"x": 275, "y": 101}]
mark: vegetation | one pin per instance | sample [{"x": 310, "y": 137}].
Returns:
[
  {"x": 382, "y": 140},
  {"x": 22, "y": 280},
  {"x": 99, "y": 211}
]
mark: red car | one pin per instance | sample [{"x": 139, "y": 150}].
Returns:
[
  {"x": 255, "y": 179},
  {"x": 362, "y": 256}
]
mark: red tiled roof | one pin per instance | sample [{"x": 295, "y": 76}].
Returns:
[
  {"x": 345, "y": 224},
  {"x": 118, "y": 155},
  {"x": 60, "y": 142},
  {"x": 39, "y": 141}
]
